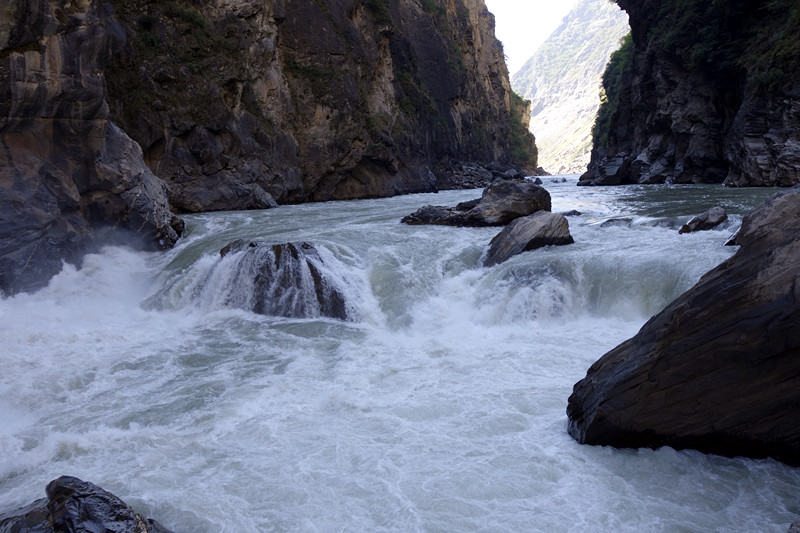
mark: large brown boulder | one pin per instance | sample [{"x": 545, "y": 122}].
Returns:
[
  {"x": 528, "y": 233},
  {"x": 718, "y": 370},
  {"x": 501, "y": 202}
]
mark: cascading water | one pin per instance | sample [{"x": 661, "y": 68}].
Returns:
[{"x": 439, "y": 405}]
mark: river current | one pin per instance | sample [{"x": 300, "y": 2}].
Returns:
[{"x": 438, "y": 407}]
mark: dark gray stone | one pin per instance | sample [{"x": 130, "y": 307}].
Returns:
[
  {"x": 718, "y": 370},
  {"x": 528, "y": 233},
  {"x": 708, "y": 220},
  {"x": 76, "y": 506},
  {"x": 502, "y": 202}
]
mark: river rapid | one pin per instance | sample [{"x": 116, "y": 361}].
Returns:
[{"x": 438, "y": 407}]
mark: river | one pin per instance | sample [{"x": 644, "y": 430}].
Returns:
[{"x": 439, "y": 406}]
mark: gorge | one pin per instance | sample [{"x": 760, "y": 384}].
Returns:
[{"x": 406, "y": 378}]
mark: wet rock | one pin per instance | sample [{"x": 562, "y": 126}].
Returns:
[
  {"x": 502, "y": 202},
  {"x": 733, "y": 240},
  {"x": 718, "y": 370},
  {"x": 76, "y": 506},
  {"x": 572, "y": 213},
  {"x": 616, "y": 222},
  {"x": 708, "y": 220},
  {"x": 290, "y": 280},
  {"x": 528, "y": 233}
]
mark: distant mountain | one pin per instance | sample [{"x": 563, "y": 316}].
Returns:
[{"x": 563, "y": 79}]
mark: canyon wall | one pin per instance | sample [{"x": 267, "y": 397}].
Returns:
[
  {"x": 241, "y": 104},
  {"x": 702, "y": 92}
]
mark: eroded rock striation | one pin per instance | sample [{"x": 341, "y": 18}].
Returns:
[
  {"x": 65, "y": 169},
  {"x": 76, "y": 506},
  {"x": 718, "y": 370},
  {"x": 290, "y": 280},
  {"x": 702, "y": 93},
  {"x": 241, "y": 104},
  {"x": 501, "y": 202}
]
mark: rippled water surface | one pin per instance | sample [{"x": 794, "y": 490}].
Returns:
[{"x": 440, "y": 406}]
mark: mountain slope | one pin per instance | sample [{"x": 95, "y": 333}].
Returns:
[{"x": 562, "y": 80}]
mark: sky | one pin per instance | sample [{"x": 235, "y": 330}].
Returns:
[{"x": 523, "y": 25}]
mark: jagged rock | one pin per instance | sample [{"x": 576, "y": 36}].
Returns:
[
  {"x": 528, "y": 233},
  {"x": 283, "y": 280},
  {"x": 708, "y": 220},
  {"x": 65, "y": 170},
  {"x": 502, "y": 202},
  {"x": 76, "y": 506},
  {"x": 312, "y": 100},
  {"x": 572, "y": 213},
  {"x": 733, "y": 240},
  {"x": 718, "y": 370},
  {"x": 795, "y": 527}
]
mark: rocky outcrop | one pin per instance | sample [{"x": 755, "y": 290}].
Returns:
[
  {"x": 528, "y": 233},
  {"x": 65, "y": 170},
  {"x": 501, "y": 202},
  {"x": 241, "y": 104},
  {"x": 708, "y": 220},
  {"x": 561, "y": 81},
  {"x": 75, "y": 506},
  {"x": 702, "y": 93},
  {"x": 718, "y": 370},
  {"x": 290, "y": 280}
]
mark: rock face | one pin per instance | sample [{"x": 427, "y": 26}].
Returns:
[
  {"x": 282, "y": 280},
  {"x": 75, "y": 506},
  {"x": 561, "y": 81},
  {"x": 65, "y": 170},
  {"x": 702, "y": 93},
  {"x": 239, "y": 104},
  {"x": 719, "y": 369},
  {"x": 528, "y": 233},
  {"x": 708, "y": 220},
  {"x": 502, "y": 202}
]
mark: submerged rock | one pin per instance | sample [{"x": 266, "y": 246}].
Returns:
[
  {"x": 708, "y": 220},
  {"x": 502, "y": 202},
  {"x": 76, "y": 506},
  {"x": 528, "y": 233},
  {"x": 718, "y": 370},
  {"x": 288, "y": 280}
]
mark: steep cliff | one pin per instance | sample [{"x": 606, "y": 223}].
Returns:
[
  {"x": 562, "y": 80},
  {"x": 702, "y": 92},
  {"x": 241, "y": 104},
  {"x": 65, "y": 170}
]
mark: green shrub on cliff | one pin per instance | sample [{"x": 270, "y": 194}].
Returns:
[
  {"x": 613, "y": 88},
  {"x": 521, "y": 141}
]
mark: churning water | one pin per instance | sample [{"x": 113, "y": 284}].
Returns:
[{"x": 438, "y": 406}]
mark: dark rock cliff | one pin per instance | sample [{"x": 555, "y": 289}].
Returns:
[
  {"x": 240, "y": 104},
  {"x": 703, "y": 92},
  {"x": 65, "y": 170}
]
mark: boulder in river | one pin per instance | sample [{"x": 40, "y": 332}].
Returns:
[
  {"x": 76, "y": 506},
  {"x": 528, "y": 233},
  {"x": 288, "y": 280},
  {"x": 501, "y": 202},
  {"x": 718, "y": 370},
  {"x": 708, "y": 220}
]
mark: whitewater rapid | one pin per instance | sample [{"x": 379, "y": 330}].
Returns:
[{"x": 438, "y": 406}]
